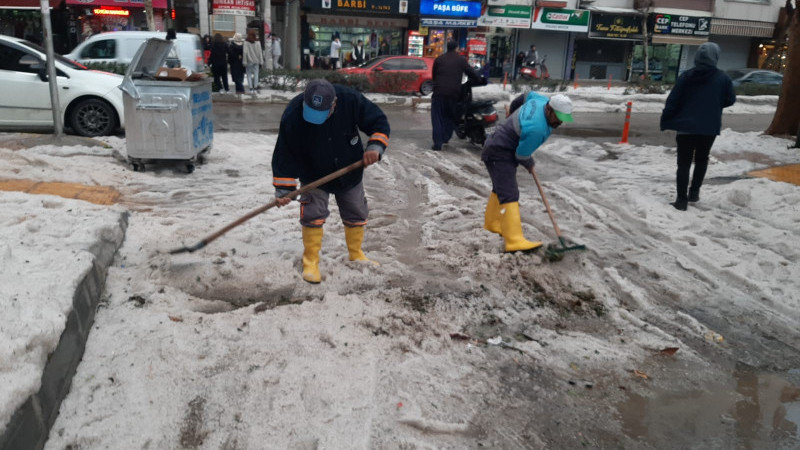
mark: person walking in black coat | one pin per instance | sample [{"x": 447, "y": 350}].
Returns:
[
  {"x": 358, "y": 53},
  {"x": 235, "y": 55},
  {"x": 448, "y": 70},
  {"x": 219, "y": 62},
  {"x": 694, "y": 110}
]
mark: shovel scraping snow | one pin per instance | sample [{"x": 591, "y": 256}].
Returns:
[
  {"x": 313, "y": 185},
  {"x": 554, "y": 252}
]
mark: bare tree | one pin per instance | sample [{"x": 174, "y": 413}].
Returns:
[
  {"x": 787, "y": 115},
  {"x": 644, "y": 8}
]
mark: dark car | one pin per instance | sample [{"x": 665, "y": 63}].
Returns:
[{"x": 755, "y": 77}]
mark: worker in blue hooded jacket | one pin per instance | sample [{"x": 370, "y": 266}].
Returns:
[
  {"x": 694, "y": 110},
  {"x": 531, "y": 119}
]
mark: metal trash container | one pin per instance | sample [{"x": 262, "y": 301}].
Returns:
[{"x": 164, "y": 119}]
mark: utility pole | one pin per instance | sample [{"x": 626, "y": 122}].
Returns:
[{"x": 51, "y": 68}]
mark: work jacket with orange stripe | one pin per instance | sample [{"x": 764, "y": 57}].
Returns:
[{"x": 309, "y": 152}]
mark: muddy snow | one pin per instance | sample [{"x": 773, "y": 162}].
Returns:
[{"x": 672, "y": 330}]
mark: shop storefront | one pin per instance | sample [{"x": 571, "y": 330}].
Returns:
[
  {"x": 381, "y": 25},
  {"x": 606, "y": 51},
  {"x": 554, "y": 32},
  {"x": 88, "y": 17},
  {"x": 23, "y": 19},
  {"x": 503, "y": 20},
  {"x": 669, "y": 34},
  {"x": 447, "y": 20}
]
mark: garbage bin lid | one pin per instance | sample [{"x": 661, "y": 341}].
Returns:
[{"x": 145, "y": 63}]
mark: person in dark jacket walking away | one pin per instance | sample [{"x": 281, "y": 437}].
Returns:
[
  {"x": 219, "y": 62},
  {"x": 448, "y": 69},
  {"x": 319, "y": 134},
  {"x": 694, "y": 110},
  {"x": 235, "y": 52},
  {"x": 531, "y": 119}
]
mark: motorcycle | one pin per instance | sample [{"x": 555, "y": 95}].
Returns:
[
  {"x": 477, "y": 118},
  {"x": 535, "y": 70}
]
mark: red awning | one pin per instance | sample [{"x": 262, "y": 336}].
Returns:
[
  {"x": 27, "y": 4},
  {"x": 158, "y": 4}
]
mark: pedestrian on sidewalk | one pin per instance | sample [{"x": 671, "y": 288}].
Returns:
[
  {"x": 207, "y": 41},
  {"x": 219, "y": 62},
  {"x": 252, "y": 58},
  {"x": 336, "y": 45},
  {"x": 533, "y": 117},
  {"x": 694, "y": 110},
  {"x": 276, "y": 52},
  {"x": 235, "y": 58},
  {"x": 448, "y": 69},
  {"x": 319, "y": 134},
  {"x": 358, "y": 53}
]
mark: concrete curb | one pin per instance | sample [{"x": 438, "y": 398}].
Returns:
[{"x": 29, "y": 427}]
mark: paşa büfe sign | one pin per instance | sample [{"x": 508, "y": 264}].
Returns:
[{"x": 613, "y": 26}]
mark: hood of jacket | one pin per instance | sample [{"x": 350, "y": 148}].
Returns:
[{"x": 705, "y": 62}]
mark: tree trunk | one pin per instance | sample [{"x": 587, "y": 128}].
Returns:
[
  {"x": 148, "y": 11},
  {"x": 787, "y": 115}
]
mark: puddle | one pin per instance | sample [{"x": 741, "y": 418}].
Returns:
[
  {"x": 748, "y": 410},
  {"x": 788, "y": 174}
]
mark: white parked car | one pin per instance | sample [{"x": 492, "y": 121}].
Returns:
[
  {"x": 90, "y": 101},
  {"x": 119, "y": 47}
]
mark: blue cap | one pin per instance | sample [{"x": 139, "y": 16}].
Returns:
[{"x": 318, "y": 100}]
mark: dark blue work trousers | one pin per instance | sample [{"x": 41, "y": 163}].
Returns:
[
  {"x": 444, "y": 113},
  {"x": 503, "y": 173}
]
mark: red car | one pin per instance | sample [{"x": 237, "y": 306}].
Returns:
[{"x": 421, "y": 67}]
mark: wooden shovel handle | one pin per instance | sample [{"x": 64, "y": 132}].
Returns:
[{"x": 546, "y": 205}]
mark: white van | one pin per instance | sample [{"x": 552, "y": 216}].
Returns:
[{"x": 120, "y": 46}]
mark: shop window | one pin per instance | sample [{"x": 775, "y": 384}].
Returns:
[
  {"x": 105, "y": 49},
  {"x": 223, "y": 22},
  {"x": 10, "y": 60},
  {"x": 403, "y": 64}
]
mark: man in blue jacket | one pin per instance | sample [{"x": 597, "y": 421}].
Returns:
[
  {"x": 694, "y": 110},
  {"x": 532, "y": 118},
  {"x": 319, "y": 134}
]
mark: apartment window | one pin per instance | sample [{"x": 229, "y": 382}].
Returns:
[{"x": 223, "y": 22}]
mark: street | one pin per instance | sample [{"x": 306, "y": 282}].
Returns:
[{"x": 415, "y": 125}]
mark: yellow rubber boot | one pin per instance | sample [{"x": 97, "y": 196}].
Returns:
[
  {"x": 312, "y": 243},
  {"x": 354, "y": 236},
  {"x": 512, "y": 229},
  {"x": 491, "y": 219}
]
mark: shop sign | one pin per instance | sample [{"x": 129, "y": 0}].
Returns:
[
  {"x": 450, "y": 8},
  {"x": 508, "y": 16},
  {"x": 476, "y": 46},
  {"x": 448, "y": 23},
  {"x": 561, "y": 19},
  {"x": 157, "y": 4},
  {"x": 110, "y": 11},
  {"x": 359, "y": 6},
  {"x": 613, "y": 26},
  {"x": 681, "y": 25},
  {"x": 235, "y": 7},
  {"x": 355, "y": 21},
  {"x": 508, "y": 2}
]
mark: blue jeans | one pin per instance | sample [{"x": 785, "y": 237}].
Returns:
[{"x": 252, "y": 76}]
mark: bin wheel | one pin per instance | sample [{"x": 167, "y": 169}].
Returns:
[
  {"x": 189, "y": 168},
  {"x": 201, "y": 159},
  {"x": 138, "y": 167}
]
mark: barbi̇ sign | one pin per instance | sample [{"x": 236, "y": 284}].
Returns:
[{"x": 576, "y": 20}]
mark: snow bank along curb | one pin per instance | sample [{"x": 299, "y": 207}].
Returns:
[{"x": 30, "y": 424}]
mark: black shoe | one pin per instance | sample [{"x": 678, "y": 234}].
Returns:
[
  {"x": 680, "y": 205},
  {"x": 436, "y": 148},
  {"x": 694, "y": 196}
]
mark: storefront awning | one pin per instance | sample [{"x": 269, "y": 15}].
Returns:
[
  {"x": 157, "y": 4},
  {"x": 361, "y": 22},
  {"x": 730, "y": 27},
  {"x": 609, "y": 10},
  {"x": 683, "y": 40},
  {"x": 27, "y": 4}
]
